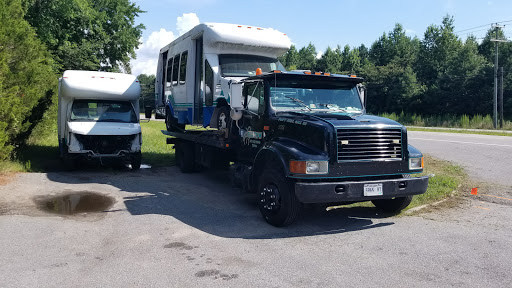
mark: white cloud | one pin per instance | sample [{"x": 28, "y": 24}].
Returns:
[
  {"x": 410, "y": 32},
  {"x": 319, "y": 55},
  {"x": 186, "y": 22},
  {"x": 147, "y": 54}
]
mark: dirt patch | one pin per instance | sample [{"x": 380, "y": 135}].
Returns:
[{"x": 6, "y": 178}]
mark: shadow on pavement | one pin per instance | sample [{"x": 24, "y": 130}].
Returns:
[{"x": 206, "y": 201}]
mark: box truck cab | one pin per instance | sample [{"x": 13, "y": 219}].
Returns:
[
  {"x": 195, "y": 70},
  {"x": 98, "y": 116}
]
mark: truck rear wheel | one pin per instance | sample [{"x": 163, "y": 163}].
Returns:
[
  {"x": 276, "y": 199},
  {"x": 185, "y": 157},
  {"x": 394, "y": 205}
]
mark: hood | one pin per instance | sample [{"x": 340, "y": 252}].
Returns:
[
  {"x": 103, "y": 128},
  {"x": 342, "y": 119}
]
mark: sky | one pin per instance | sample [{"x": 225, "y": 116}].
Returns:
[{"x": 323, "y": 23}]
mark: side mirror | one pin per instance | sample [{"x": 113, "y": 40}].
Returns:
[{"x": 362, "y": 94}]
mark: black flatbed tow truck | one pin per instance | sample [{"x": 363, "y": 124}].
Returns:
[{"x": 304, "y": 138}]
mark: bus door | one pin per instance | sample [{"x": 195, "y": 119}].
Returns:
[{"x": 198, "y": 78}]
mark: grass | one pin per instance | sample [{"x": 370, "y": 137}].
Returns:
[
  {"x": 446, "y": 121},
  {"x": 155, "y": 151},
  {"x": 493, "y": 133},
  {"x": 41, "y": 155},
  {"x": 446, "y": 180}
]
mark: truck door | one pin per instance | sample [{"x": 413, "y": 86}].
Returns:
[
  {"x": 198, "y": 78},
  {"x": 252, "y": 124}
]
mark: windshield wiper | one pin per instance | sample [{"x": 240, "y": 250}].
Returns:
[{"x": 298, "y": 101}]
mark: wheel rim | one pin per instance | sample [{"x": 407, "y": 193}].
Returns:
[
  {"x": 221, "y": 123},
  {"x": 270, "y": 198}
]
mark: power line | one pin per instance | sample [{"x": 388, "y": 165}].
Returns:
[{"x": 499, "y": 22}]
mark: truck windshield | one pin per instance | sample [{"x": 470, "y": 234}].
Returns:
[
  {"x": 103, "y": 111},
  {"x": 315, "y": 96},
  {"x": 236, "y": 65}
]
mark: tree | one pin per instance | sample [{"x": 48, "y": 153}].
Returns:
[
  {"x": 147, "y": 93},
  {"x": 87, "y": 34},
  {"x": 290, "y": 59},
  {"x": 307, "y": 57},
  {"x": 448, "y": 67},
  {"x": 330, "y": 61},
  {"x": 26, "y": 78}
]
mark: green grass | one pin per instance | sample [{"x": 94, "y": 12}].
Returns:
[
  {"x": 155, "y": 151},
  {"x": 446, "y": 180},
  {"x": 41, "y": 154},
  {"x": 446, "y": 121},
  {"x": 493, "y": 133}
]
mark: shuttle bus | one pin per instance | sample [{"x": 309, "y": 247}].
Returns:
[{"x": 195, "y": 71}]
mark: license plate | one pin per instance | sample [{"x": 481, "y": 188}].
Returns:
[{"x": 373, "y": 189}]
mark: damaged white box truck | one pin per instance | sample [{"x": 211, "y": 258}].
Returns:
[{"x": 98, "y": 117}]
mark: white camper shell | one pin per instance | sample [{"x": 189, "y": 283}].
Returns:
[
  {"x": 98, "y": 116},
  {"x": 195, "y": 71}
]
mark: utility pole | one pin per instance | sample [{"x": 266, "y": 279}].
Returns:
[
  {"x": 495, "y": 109},
  {"x": 501, "y": 97}
]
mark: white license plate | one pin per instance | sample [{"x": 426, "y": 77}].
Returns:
[{"x": 373, "y": 189}]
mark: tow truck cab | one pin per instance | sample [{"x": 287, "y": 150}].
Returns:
[{"x": 307, "y": 138}]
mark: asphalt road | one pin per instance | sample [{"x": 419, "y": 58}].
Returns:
[
  {"x": 485, "y": 158},
  {"x": 168, "y": 229}
]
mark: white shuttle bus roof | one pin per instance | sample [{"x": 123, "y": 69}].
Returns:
[
  {"x": 222, "y": 38},
  {"x": 77, "y": 84}
]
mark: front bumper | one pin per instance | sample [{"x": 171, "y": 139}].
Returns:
[{"x": 352, "y": 191}]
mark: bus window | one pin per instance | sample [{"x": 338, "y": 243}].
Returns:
[
  {"x": 168, "y": 73},
  {"x": 208, "y": 81},
  {"x": 175, "y": 67},
  {"x": 183, "y": 67}
]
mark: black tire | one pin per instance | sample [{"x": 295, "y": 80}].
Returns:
[
  {"x": 223, "y": 118},
  {"x": 136, "y": 161},
  {"x": 171, "y": 123},
  {"x": 148, "y": 111},
  {"x": 276, "y": 198},
  {"x": 186, "y": 157},
  {"x": 394, "y": 205}
]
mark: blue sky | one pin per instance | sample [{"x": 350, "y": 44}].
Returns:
[{"x": 323, "y": 23}]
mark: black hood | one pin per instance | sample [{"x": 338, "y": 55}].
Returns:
[{"x": 343, "y": 119}]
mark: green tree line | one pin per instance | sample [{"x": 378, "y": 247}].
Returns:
[
  {"x": 39, "y": 39},
  {"x": 436, "y": 75}
]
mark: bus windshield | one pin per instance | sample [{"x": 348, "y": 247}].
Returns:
[
  {"x": 236, "y": 65},
  {"x": 103, "y": 111},
  {"x": 315, "y": 96}
]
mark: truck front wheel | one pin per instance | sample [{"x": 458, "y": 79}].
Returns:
[
  {"x": 394, "y": 205},
  {"x": 276, "y": 198}
]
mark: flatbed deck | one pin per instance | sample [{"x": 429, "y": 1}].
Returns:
[{"x": 214, "y": 138}]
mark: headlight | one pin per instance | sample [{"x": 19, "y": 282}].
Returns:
[
  {"x": 415, "y": 163},
  {"x": 309, "y": 167}
]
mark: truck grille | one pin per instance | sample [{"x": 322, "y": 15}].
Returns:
[
  {"x": 105, "y": 144},
  {"x": 369, "y": 144}
]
